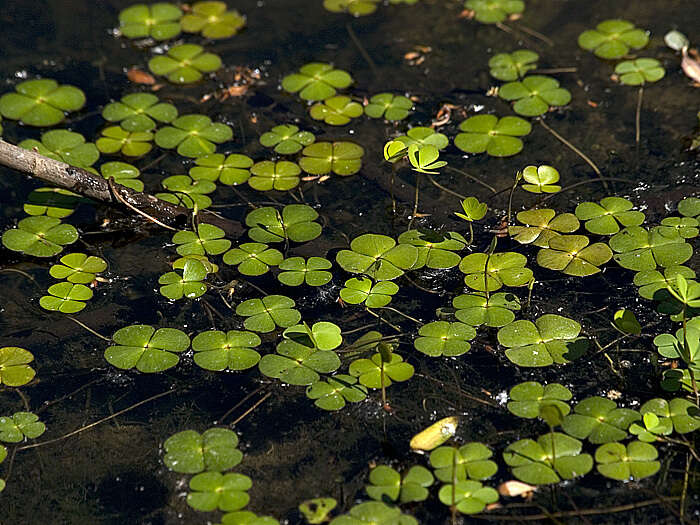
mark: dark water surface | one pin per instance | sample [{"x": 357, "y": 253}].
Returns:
[{"x": 113, "y": 473}]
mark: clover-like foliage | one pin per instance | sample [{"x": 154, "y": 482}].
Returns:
[
  {"x": 20, "y": 425},
  {"x": 377, "y": 373},
  {"x": 653, "y": 284},
  {"x": 353, "y": 7},
  {"x": 253, "y": 258},
  {"x": 635, "y": 461},
  {"x": 183, "y": 190},
  {"x": 281, "y": 175},
  {"x": 193, "y": 135},
  {"x": 297, "y": 271},
  {"x": 494, "y": 310},
  {"x": 231, "y": 170},
  {"x": 233, "y": 350},
  {"x": 684, "y": 346},
  {"x": 78, "y": 268},
  {"x": 599, "y": 420},
  {"x": 122, "y": 173},
  {"x": 542, "y": 225},
  {"x": 287, "y": 139},
  {"x": 184, "y": 64},
  {"x": 214, "y": 490},
  {"x": 212, "y": 20},
  {"x": 391, "y": 107},
  {"x": 686, "y": 227},
  {"x": 65, "y": 297},
  {"x": 528, "y": 398},
  {"x": 640, "y": 71},
  {"x": 468, "y": 497},
  {"x": 378, "y": 257},
  {"x": 492, "y": 272},
  {"x": 541, "y": 179},
  {"x": 336, "y": 391},
  {"x": 342, "y": 158},
  {"x": 387, "y": 484},
  {"x": 160, "y": 21},
  {"x": 139, "y": 112},
  {"x": 606, "y": 217},
  {"x": 190, "y": 452},
  {"x": 550, "y": 339},
  {"x": 494, "y": 11},
  {"x": 263, "y": 315},
  {"x": 435, "y": 249},
  {"x": 374, "y": 513},
  {"x": 316, "y": 510},
  {"x": 512, "y": 66},
  {"x": 550, "y": 459},
  {"x": 298, "y": 364},
  {"x": 639, "y": 249},
  {"x": 114, "y": 139},
  {"x": 689, "y": 207},
  {"x": 52, "y": 202},
  {"x": 187, "y": 282},
  {"x": 534, "y": 95},
  {"x": 295, "y": 223},
  {"x": 336, "y": 111},
  {"x": 683, "y": 415},
  {"x": 207, "y": 239},
  {"x": 246, "y": 517},
  {"x": 470, "y": 461},
  {"x": 423, "y": 159},
  {"x": 65, "y": 146},
  {"x": 316, "y": 81},
  {"x": 571, "y": 254},
  {"x": 363, "y": 290},
  {"x": 488, "y": 133},
  {"x": 613, "y": 39},
  {"x": 423, "y": 136},
  {"x": 14, "y": 366},
  {"x": 147, "y": 349},
  {"x": 442, "y": 338},
  {"x": 41, "y": 102},
  {"x": 321, "y": 336},
  {"x": 40, "y": 236}
]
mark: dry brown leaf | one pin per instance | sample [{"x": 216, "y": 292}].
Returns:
[
  {"x": 691, "y": 66},
  {"x": 514, "y": 488},
  {"x": 138, "y": 76}
]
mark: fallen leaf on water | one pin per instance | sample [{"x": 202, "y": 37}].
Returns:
[
  {"x": 514, "y": 488},
  {"x": 690, "y": 66},
  {"x": 140, "y": 77}
]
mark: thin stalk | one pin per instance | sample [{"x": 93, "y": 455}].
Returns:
[
  {"x": 518, "y": 176},
  {"x": 383, "y": 320},
  {"x": 688, "y": 461},
  {"x": 361, "y": 49},
  {"x": 473, "y": 178},
  {"x": 381, "y": 377},
  {"x": 536, "y": 34},
  {"x": 391, "y": 187},
  {"x": 401, "y": 314},
  {"x": 446, "y": 190},
  {"x": 415, "y": 202},
  {"x": 553, "y": 70},
  {"x": 93, "y": 332},
  {"x": 581, "y": 183},
  {"x": 638, "y": 115},
  {"x": 256, "y": 405}
]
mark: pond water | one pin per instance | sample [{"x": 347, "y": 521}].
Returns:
[{"x": 113, "y": 473}]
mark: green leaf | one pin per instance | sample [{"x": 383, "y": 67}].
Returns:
[
  {"x": 232, "y": 350},
  {"x": 187, "y": 284},
  {"x": 287, "y": 139},
  {"x": 207, "y": 240},
  {"x": 122, "y": 173},
  {"x": 41, "y": 102},
  {"x": 542, "y": 225},
  {"x": 386, "y": 483},
  {"x": 374, "y": 372},
  {"x": 504, "y": 269},
  {"x": 193, "y": 135},
  {"x": 146, "y": 349},
  {"x": 341, "y": 158},
  {"x": 139, "y": 112},
  {"x": 297, "y": 364},
  {"x": 534, "y": 95},
  {"x": 494, "y": 11},
  {"x": 297, "y": 271},
  {"x": 39, "y": 236},
  {"x": 19, "y": 426},
  {"x": 160, "y": 21},
  {"x": 316, "y": 81},
  {"x": 14, "y": 366},
  {"x": 267, "y": 175},
  {"x": 65, "y": 146},
  {"x": 441, "y": 338},
  {"x": 477, "y": 309},
  {"x": 423, "y": 136},
  {"x": 374, "y": 512},
  {"x": 640, "y": 71},
  {"x": 391, "y": 107},
  {"x": 512, "y": 66},
  {"x": 231, "y": 170},
  {"x": 114, "y": 139},
  {"x": 295, "y": 222},
  {"x": 605, "y": 218},
  {"x": 435, "y": 249},
  {"x": 185, "y": 64},
  {"x": 570, "y": 254},
  {"x": 66, "y": 297},
  {"x": 253, "y": 258},
  {"x": 527, "y": 399},
  {"x": 190, "y": 452},
  {"x": 470, "y": 461},
  {"x": 626, "y": 322},
  {"x": 214, "y": 490},
  {"x": 78, "y": 268},
  {"x": 266, "y": 313},
  {"x": 599, "y": 420},
  {"x": 638, "y": 249},
  {"x": 424, "y": 158},
  {"x": 212, "y": 20},
  {"x": 316, "y": 510},
  {"x": 333, "y": 393},
  {"x": 52, "y": 202},
  {"x": 363, "y": 290},
  {"x": 488, "y": 133},
  {"x": 321, "y": 336},
  {"x": 468, "y": 497},
  {"x": 683, "y": 414},
  {"x": 613, "y": 39},
  {"x": 378, "y": 257},
  {"x": 336, "y": 111},
  {"x": 541, "y": 179},
  {"x": 633, "y": 462}
]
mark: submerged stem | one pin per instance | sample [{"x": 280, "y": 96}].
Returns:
[{"x": 637, "y": 116}]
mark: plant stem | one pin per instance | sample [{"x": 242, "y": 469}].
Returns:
[
  {"x": 554, "y": 70},
  {"x": 637, "y": 116},
  {"x": 402, "y": 314},
  {"x": 415, "y": 202},
  {"x": 581, "y": 183},
  {"x": 93, "y": 332},
  {"x": 361, "y": 49},
  {"x": 446, "y": 190}
]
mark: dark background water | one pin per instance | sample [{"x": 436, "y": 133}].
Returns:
[{"x": 112, "y": 473}]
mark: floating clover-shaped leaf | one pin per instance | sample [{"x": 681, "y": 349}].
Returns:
[
  {"x": 473, "y": 210},
  {"x": 20, "y": 425},
  {"x": 186, "y": 283},
  {"x": 654, "y": 283},
  {"x": 375, "y": 372},
  {"x": 395, "y": 150},
  {"x": 541, "y": 179},
  {"x": 179, "y": 264},
  {"x": 39, "y": 236},
  {"x": 187, "y": 192},
  {"x": 444, "y": 338},
  {"x": 640, "y": 71},
  {"x": 488, "y": 133},
  {"x": 613, "y": 39},
  {"x": 336, "y": 111},
  {"x": 527, "y": 399},
  {"x": 689, "y": 207},
  {"x": 208, "y": 240},
  {"x": 391, "y": 107},
  {"x": 550, "y": 339},
  {"x": 41, "y": 102},
  {"x": 231, "y": 170},
  {"x": 78, "y": 268},
  {"x": 139, "y": 112},
  {"x": 232, "y": 350},
  {"x": 424, "y": 158},
  {"x": 160, "y": 21},
  {"x": 435, "y": 250},
  {"x": 470, "y": 461},
  {"x": 651, "y": 427},
  {"x": 321, "y": 336},
  {"x": 550, "y": 459},
  {"x": 683, "y": 414},
  {"x": 14, "y": 366},
  {"x": 147, "y": 349},
  {"x": 571, "y": 255},
  {"x": 378, "y": 257},
  {"x": 635, "y": 461},
  {"x": 184, "y": 64},
  {"x": 423, "y": 136},
  {"x": 605, "y": 218},
  {"x": 674, "y": 347},
  {"x": 294, "y": 223},
  {"x": 534, "y": 95},
  {"x": 362, "y": 290},
  {"x": 65, "y": 146},
  {"x": 512, "y": 66},
  {"x": 213, "y": 21},
  {"x": 122, "y": 173},
  {"x": 316, "y": 81},
  {"x": 297, "y": 364},
  {"x": 625, "y": 321},
  {"x": 599, "y": 420},
  {"x": 268, "y": 175},
  {"x": 114, "y": 139},
  {"x": 374, "y": 512},
  {"x": 542, "y": 225},
  {"x": 316, "y": 510},
  {"x": 341, "y": 158},
  {"x": 477, "y": 309},
  {"x": 685, "y": 227},
  {"x": 494, "y": 11},
  {"x": 333, "y": 393},
  {"x": 52, "y": 202},
  {"x": 193, "y": 135},
  {"x": 190, "y": 452},
  {"x": 214, "y": 490},
  {"x": 386, "y": 484},
  {"x": 297, "y": 271},
  {"x": 287, "y": 139},
  {"x": 504, "y": 269},
  {"x": 253, "y": 258},
  {"x": 353, "y": 7},
  {"x": 468, "y": 497},
  {"x": 638, "y": 249},
  {"x": 266, "y": 313},
  {"x": 67, "y": 298}
]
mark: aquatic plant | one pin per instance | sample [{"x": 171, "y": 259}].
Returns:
[
  {"x": 494, "y": 310},
  {"x": 232, "y": 350},
  {"x": 635, "y": 461},
  {"x": 542, "y": 225},
  {"x": 435, "y": 250},
  {"x": 67, "y": 298},
  {"x": 363, "y": 290},
  {"x": 40, "y": 236},
  {"x": 467, "y": 496},
  {"x": 423, "y": 136},
  {"x": 66, "y": 146},
  {"x": 336, "y": 111},
  {"x": 139, "y": 112},
  {"x": 212, "y": 20},
  {"x": 253, "y": 258},
  {"x": 385, "y": 482},
  {"x": 184, "y": 64},
  {"x": 185, "y": 191},
  {"x": 640, "y": 249},
  {"x": 572, "y": 255},
  {"x": 269, "y": 175},
  {"x": 207, "y": 239},
  {"x": 295, "y": 222},
  {"x": 376, "y": 372},
  {"x": 490, "y": 272},
  {"x": 442, "y": 338},
  {"x": 184, "y": 283},
  {"x": 528, "y": 398},
  {"x": 214, "y": 450},
  {"x": 470, "y": 461},
  {"x": 114, "y": 139},
  {"x": 14, "y": 366},
  {"x": 264, "y": 314},
  {"x": 41, "y": 102},
  {"x": 20, "y": 425},
  {"x": 606, "y": 217},
  {"x": 378, "y": 257},
  {"x": 52, "y": 202},
  {"x": 599, "y": 420},
  {"x": 231, "y": 170},
  {"x": 287, "y": 139},
  {"x": 488, "y": 133},
  {"x": 342, "y": 158},
  {"x": 336, "y": 391},
  {"x": 297, "y": 271},
  {"x": 146, "y": 349},
  {"x": 534, "y": 95},
  {"x": 494, "y": 11},
  {"x": 613, "y": 39},
  {"x": 193, "y": 135},
  {"x": 541, "y": 179},
  {"x": 78, "y": 268},
  {"x": 160, "y": 21},
  {"x": 512, "y": 66},
  {"x": 214, "y": 490},
  {"x": 389, "y": 106},
  {"x": 297, "y": 364},
  {"x": 316, "y": 81},
  {"x": 353, "y": 7}
]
